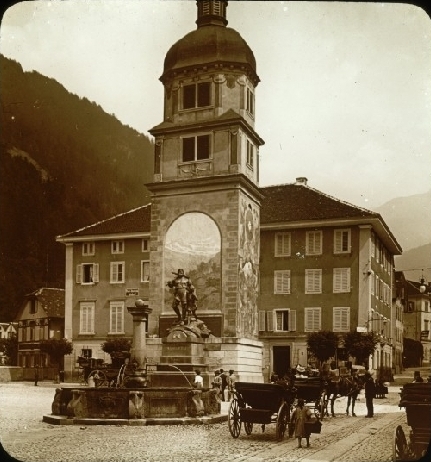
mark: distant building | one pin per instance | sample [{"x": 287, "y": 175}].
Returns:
[
  {"x": 399, "y": 307},
  {"x": 40, "y": 317},
  {"x": 7, "y": 330}
]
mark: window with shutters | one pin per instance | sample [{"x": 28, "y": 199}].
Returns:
[
  {"x": 116, "y": 324},
  {"x": 86, "y": 317},
  {"x": 312, "y": 319},
  {"x": 282, "y": 282},
  {"x": 373, "y": 283},
  {"x": 145, "y": 271},
  {"x": 313, "y": 244},
  {"x": 341, "y": 319},
  {"x": 87, "y": 273},
  {"x": 117, "y": 247},
  {"x": 373, "y": 245},
  {"x": 197, "y": 95},
  {"x": 261, "y": 320},
  {"x": 341, "y": 280},
  {"x": 88, "y": 248},
  {"x": 284, "y": 320},
  {"x": 117, "y": 272},
  {"x": 313, "y": 281},
  {"x": 342, "y": 241},
  {"x": 196, "y": 148},
  {"x": 282, "y": 244}
]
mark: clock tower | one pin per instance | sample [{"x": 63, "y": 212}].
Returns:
[{"x": 205, "y": 194}]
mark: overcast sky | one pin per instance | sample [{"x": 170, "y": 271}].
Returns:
[{"x": 345, "y": 91}]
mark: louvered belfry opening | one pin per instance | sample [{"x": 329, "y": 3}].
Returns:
[{"x": 211, "y": 12}]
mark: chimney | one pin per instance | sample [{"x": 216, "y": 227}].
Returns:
[{"x": 301, "y": 180}]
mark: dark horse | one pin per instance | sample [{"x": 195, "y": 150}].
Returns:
[{"x": 349, "y": 386}]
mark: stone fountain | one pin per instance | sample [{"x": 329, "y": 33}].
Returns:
[{"x": 162, "y": 394}]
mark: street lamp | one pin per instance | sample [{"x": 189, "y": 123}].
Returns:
[{"x": 424, "y": 288}]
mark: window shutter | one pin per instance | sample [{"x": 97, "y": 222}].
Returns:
[
  {"x": 270, "y": 321},
  {"x": 292, "y": 320},
  {"x": 338, "y": 241},
  {"x": 78, "y": 274},
  {"x": 262, "y": 315},
  {"x": 96, "y": 272}
]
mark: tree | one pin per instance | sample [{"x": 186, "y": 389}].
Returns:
[
  {"x": 360, "y": 345},
  {"x": 413, "y": 352},
  {"x": 322, "y": 344},
  {"x": 56, "y": 349},
  {"x": 118, "y": 349}
]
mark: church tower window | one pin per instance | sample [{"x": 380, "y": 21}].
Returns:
[
  {"x": 196, "y": 95},
  {"x": 196, "y": 148}
]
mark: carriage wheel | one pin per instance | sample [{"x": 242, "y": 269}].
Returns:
[
  {"x": 399, "y": 449},
  {"x": 282, "y": 420},
  {"x": 248, "y": 427},
  {"x": 234, "y": 420},
  {"x": 99, "y": 378}
]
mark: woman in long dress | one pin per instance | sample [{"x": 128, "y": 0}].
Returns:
[{"x": 300, "y": 415}]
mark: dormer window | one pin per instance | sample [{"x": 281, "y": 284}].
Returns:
[
  {"x": 196, "y": 148},
  {"x": 196, "y": 95}
]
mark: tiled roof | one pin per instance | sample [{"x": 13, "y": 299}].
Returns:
[
  {"x": 51, "y": 300},
  {"x": 133, "y": 221},
  {"x": 298, "y": 202}
]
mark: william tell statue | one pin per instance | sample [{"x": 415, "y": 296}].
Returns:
[{"x": 184, "y": 296}]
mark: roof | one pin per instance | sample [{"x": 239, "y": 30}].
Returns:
[
  {"x": 51, "y": 300},
  {"x": 137, "y": 220}
]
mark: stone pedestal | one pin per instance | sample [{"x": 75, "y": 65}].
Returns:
[{"x": 140, "y": 314}]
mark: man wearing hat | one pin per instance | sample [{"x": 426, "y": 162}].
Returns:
[
  {"x": 182, "y": 288},
  {"x": 370, "y": 394}
]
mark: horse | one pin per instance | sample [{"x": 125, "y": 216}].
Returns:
[{"x": 342, "y": 386}]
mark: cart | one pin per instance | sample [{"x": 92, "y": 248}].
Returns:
[
  {"x": 103, "y": 374},
  {"x": 416, "y": 398},
  {"x": 313, "y": 390},
  {"x": 259, "y": 403}
]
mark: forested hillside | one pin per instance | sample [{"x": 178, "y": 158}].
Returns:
[{"x": 64, "y": 164}]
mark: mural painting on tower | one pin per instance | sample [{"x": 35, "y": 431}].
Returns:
[
  {"x": 193, "y": 243},
  {"x": 248, "y": 270}
]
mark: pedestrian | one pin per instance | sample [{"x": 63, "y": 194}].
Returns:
[
  {"x": 199, "y": 381},
  {"x": 417, "y": 377},
  {"x": 353, "y": 393},
  {"x": 224, "y": 376},
  {"x": 370, "y": 393},
  {"x": 36, "y": 375},
  {"x": 299, "y": 416},
  {"x": 231, "y": 384},
  {"x": 217, "y": 382}
]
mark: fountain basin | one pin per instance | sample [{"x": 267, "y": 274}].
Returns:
[{"x": 125, "y": 406}]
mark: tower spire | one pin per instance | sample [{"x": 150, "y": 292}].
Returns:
[{"x": 211, "y": 12}]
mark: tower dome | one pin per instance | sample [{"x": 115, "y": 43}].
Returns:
[{"x": 211, "y": 44}]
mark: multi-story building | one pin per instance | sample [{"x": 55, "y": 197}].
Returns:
[
  {"x": 417, "y": 317},
  {"x": 399, "y": 306},
  {"x": 40, "y": 317},
  {"x": 319, "y": 263},
  {"x": 7, "y": 330}
]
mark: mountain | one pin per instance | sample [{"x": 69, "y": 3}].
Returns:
[
  {"x": 64, "y": 164},
  {"x": 413, "y": 261},
  {"x": 409, "y": 219}
]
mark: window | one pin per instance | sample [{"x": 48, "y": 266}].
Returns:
[
  {"x": 145, "y": 270},
  {"x": 87, "y": 273},
  {"x": 250, "y": 101},
  {"x": 196, "y": 95},
  {"x": 341, "y": 319},
  {"x": 250, "y": 153},
  {"x": 341, "y": 280},
  {"x": 117, "y": 247},
  {"x": 116, "y": 324},
  {"x": 261, "y": 320},
  {"x": 284, "y": 320},
  {"x": 145, "y": 245},
  {"x": 373, "y": 283},
  {"x": 313, "y": 244},
  {"x": 312, "y": 319},
  {"x": 196, "y": 148},
  {"x": 117, "y": 272},
  {"x": 282, "y": 282},
  {"x": 33, "y": 306},
  {"x": 313, "y": 281},
  {"x": 282, "y": 244},
  {"x": 86, "y": 352},
  {"x": 86, "y": 318},
  {"x": 342, "y": 241},
  {"x": 88, "y": 248}
]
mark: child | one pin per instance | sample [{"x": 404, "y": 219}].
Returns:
[
  {"x": 300, "y": 415},
  {"x": 199, "y": 381}
]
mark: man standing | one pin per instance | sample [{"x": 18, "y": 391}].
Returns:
[
  {"x": 36, "y": 375},
  {"x": 224, "y": 376},
  {"x": 370, "y": 393}
]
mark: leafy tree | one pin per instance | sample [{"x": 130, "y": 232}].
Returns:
[
  {"x": 116, "y": 344},
  {"x": 360, "y": 345},
  {"x": 413, "y": 352},
  {"x": 56, "y": 349},
  {"x": 9, "y": 346},
  {"x": 322, "y": 344}
]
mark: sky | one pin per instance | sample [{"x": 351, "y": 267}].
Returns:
[{"x": 345, "y": 91}]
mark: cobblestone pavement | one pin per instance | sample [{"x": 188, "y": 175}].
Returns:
[{"x": 343, "y": 438}]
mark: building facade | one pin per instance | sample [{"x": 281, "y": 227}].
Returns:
[{"x": 269, "y": 264}]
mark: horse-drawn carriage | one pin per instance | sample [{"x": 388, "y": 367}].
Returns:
[
  {"x": 312, "y": 390},
  {"x": 416, "y": 398},
  {"x": 103, "y": 374}
]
